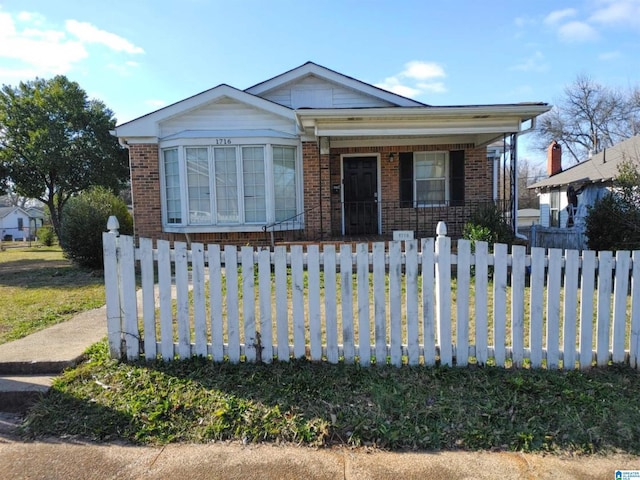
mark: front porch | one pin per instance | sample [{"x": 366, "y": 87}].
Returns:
[{"x": 388, "y": 217}]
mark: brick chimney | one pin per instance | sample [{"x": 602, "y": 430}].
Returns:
[{"x": 554, "y": 158}]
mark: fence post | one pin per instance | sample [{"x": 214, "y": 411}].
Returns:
[
  {"x": 443, "y": 293},
  {"x": 112, "y": 287}
]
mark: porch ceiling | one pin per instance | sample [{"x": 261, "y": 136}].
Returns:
[{"x": 478, "y": 122}]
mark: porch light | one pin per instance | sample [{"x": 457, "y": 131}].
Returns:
[{"x": 391, "y": 157}]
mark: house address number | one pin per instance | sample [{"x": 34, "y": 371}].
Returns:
[{"x": 223, "y": 141}]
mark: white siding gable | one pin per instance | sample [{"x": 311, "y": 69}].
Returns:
[
  {"x": 226, "y": 114},
  {"x": 314, "y": 92}
]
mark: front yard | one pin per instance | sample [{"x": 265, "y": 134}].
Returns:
[{"x": 39, "y": 288}]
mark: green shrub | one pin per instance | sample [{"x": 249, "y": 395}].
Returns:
[
  {"x": 613, "y": 223},
  {"x": 46, "y": 235},
  {"x": 84, "y": 218},
  {"x": 488, "y": 225}
]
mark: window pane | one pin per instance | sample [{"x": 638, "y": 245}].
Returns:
[
  {"x": 284, "y": 181},
  {"x": 255, "y": 207},
  {"x": 172, "y": 186},
  {"x": 430, "y": 177},
  {"x": 198, "y": 185},
  {"x": 226, "y": 185}
]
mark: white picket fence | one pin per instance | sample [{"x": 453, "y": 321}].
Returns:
[{"x": 387, "y": 305}]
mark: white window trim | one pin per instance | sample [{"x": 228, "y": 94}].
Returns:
[
  {"x": 237, "y": 143},
  {"x": 447, "y": 181}
]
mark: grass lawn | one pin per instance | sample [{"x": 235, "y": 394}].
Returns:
[
  {"x": 39, "y": 288},
  {"x": 318, "y": 404}
]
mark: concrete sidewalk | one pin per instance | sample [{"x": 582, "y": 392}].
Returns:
[
  {"x": 28, "y": 365},
  {"x": 71, "y": 460}
]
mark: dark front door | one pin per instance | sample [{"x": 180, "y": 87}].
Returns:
[{"x": 360, "y": 179}]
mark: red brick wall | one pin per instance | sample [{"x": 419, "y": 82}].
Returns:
[
  {"x": 478, "y": 183},
  {"x": 320, "y": 172},
  {"x": 145, "y": 190}
]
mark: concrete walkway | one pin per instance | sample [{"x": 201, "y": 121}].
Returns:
[{"x": 28, "y": 365}]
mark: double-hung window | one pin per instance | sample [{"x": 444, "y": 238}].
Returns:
[
  {"x": 230, "y": 187},
  {"x": 431, "y": 178}
]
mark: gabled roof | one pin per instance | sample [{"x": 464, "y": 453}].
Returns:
[
  {"x": 311, "y": 68},
  {"x": 142, "y": 125},
  {"x": 602, "y": 167},
  {"x": 4, "y": 211}
]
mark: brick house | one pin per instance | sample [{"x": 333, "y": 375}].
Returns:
[{"x": 313, "y": 154}]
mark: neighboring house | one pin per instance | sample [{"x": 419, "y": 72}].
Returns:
[
  {"x": 14, "y": 223},
  {"x": 579, "y": 185},
  {"x": 36, "y": 219},
  {"x": 316, "y": 153}
]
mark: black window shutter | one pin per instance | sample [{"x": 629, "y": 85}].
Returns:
[
  {"x": 406, "y": 179},
  {"x": 456, "y": 177}
]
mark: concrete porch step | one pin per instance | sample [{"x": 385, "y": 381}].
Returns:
[{"x": 18, "y": 393}]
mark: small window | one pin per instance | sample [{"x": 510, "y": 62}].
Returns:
[
  {"x": 554, "y": 208},
  {"x": 431, "y": 178},
  {"x": 172, "y": 186}
]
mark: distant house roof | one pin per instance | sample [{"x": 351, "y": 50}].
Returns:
[
  {"x": 601, "y": 168},
  {"x": 4, "y": 211}
]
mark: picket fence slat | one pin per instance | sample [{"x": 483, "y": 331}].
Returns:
[
  {"x": 553, "y": 308},
  {"x": 248, "y": 303},
  {"x": 395, "y": 303},
  {"x": 605, "y": 271},
  {"x": 315, "y": 320},
  {"x": 500, "y": 303},
  {"x": 517, "y": 304},
  {"x": 379, "y": 303},
  {"x": 482, "y": 285},
  {"x": 634, "y": 336},
  {"x": 570, "y": 309},
  {"x": 364, "y": 312},
  {"x": 265, "y": 352},
  {"x": 462, "y": 304},
  {"x": 282, "y": 304},
  {"x": 346, "y": 287},
  {"x": 428, "y": 304},
  {"x": 443, "y": 294},
  {"x": 411, "y": 300},
  {"x": 620, "y": 305},
  {"x": 112, "y": 293},
  {"x": 166, "y": 313},
  {"x": 215, "y": 301},
  {"x": 586, "y": 308},
  {"x": 233, "y": 308},
  {"x": 297, "y": 287},
  {"x": 331, "y": 304}
]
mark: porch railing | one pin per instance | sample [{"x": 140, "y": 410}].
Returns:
[{"x": 387, "y": 217}]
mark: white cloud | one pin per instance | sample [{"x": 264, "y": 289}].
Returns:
[
  {"x": 535, "y": 63},
  {"x": 30, "y": 46},
  {"x": 575, "y": 31},
  {"x": 617, "y": 12},
  {"x": 557, "y": 16},
  {"x": 88, "y": 33},
  {"x": 413, "y": 80},
  {"x": 423, "y": 70},
  {"x": 434, "y": 87}
]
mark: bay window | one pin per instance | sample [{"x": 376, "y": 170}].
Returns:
[{"x": 230, "y": 187}]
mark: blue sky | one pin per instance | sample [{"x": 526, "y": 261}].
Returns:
[{"x": 140, "y": 55}]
